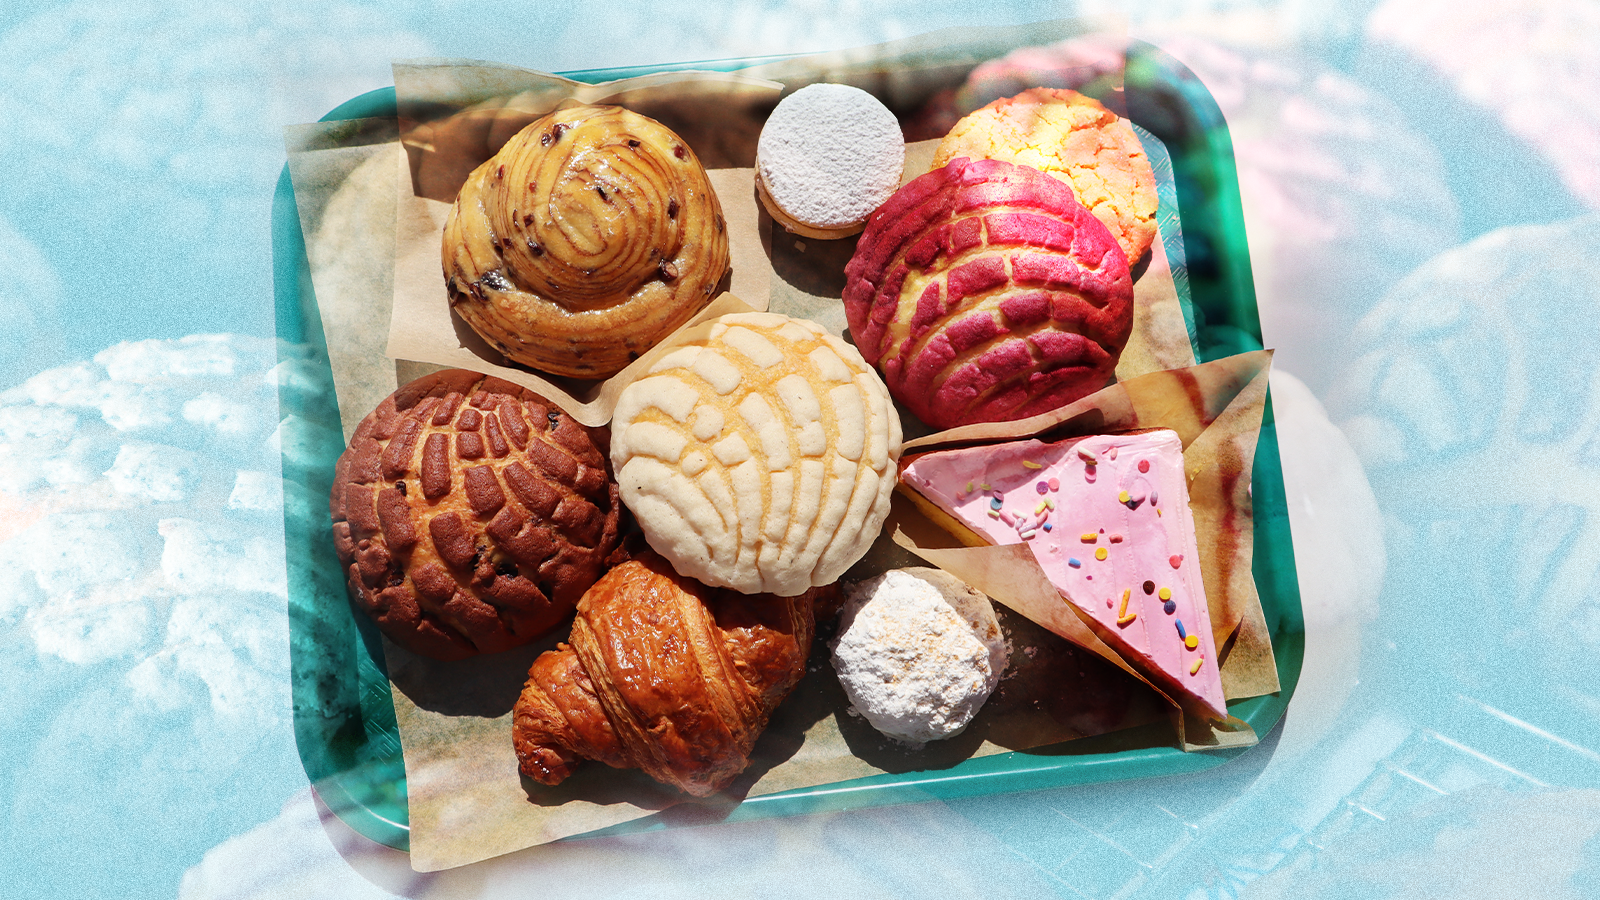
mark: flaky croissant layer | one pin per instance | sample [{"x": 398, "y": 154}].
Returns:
[{"x": 665, "y": 675}]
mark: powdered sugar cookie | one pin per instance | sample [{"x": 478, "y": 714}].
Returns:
[
  {"x": 918, "y": 653},
  {"x": 1065, "y": 134},
  {"x": 828, "y": 156}
]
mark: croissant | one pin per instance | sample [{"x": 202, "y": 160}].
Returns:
[{"x": 662, "y": 674}]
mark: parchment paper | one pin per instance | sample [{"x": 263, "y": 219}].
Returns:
[
  {"x": 1216, "y": 409},
  {"x": 466, "y": 800}
]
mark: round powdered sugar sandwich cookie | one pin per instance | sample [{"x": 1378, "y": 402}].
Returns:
[{"x": 828, "y": 156}]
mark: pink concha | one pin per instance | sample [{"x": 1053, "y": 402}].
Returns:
[{"x": 986, "y": 292}]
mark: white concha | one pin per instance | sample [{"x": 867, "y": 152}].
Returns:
[{"x": 759, "y": 455}]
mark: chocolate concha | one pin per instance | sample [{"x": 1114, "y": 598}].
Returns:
[
  {"x": 471, "y": 514},
  {"x": 759, "y": 454},
  {"x": 590, "y": 236},
  {"x": 985, "y": 292}
]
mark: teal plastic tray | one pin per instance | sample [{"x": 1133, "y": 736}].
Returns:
[{"x": 344, "y": 718}]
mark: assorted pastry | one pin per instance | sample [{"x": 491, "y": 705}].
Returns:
[
  {"x": 590, "y": 236},
  {"x": 918, "y": 652},
  {"x": 758, "y": 453},
  {"x": 1072, "y": 137},
  {"x": 828, "y": 156},
  {"x": 662, "y": 674},
  {"x": 1107, "y": 518},
  {"x": 987, "y": 293},
  {"x": 470, "y": 515}
]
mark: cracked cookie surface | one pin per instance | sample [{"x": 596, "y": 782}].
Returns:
[
  {"x": 1072, "y": 137},
  {"x": 985, "y": 292}
]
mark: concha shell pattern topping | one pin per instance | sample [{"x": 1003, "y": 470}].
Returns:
[{"x": 758, "y": 454}]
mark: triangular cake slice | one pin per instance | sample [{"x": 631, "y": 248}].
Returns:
[{"x": 1107, "y": 517}]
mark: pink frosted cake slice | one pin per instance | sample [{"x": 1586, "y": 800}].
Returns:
[{"x": 1107, "y": 517}]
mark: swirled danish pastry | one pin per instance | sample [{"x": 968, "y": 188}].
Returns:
[
  {"x": 591, "y": 235},
  {"x": 758, "y": 454}
]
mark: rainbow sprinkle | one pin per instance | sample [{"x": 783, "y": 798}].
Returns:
[
  {"x": 1123, "y": 616},
  {"x": 1164, "y": 593},
  {"x": 1100, "y": 553},
  {"x": 1195, "y": 666},
  {"x": 1089, "y": 537},
  {"x": 1073, "y": 562},
  {"x": 1030, "y": 464}
]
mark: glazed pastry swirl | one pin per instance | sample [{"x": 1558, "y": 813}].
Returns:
[{"x": 591, "y": 235}]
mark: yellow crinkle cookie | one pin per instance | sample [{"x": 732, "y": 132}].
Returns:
[{"x": 1076, "y": 139}]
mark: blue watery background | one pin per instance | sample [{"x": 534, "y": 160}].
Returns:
[{"x": 1419, "y": 184}]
